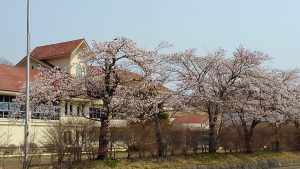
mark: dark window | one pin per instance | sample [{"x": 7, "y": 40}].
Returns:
[
  {"x": 71, "y": 109},
  {"x": 95, "y": 113},
  {"x": 57, "y": 110},
  {"x": 5, "y": 113},
  {"x": 79, "y": 110},
  {"x": 11, "y": 98},
  {"x": 66, "y": 109},
  {"x": 6, "y": 98}
]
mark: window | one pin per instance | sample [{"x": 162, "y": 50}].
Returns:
[
  {"x": 5, "y": 114},
  {"x": 7, "y": 99},
  {"x": 78, "y": 70},
  {"x": 95, "y": 113},
  {"x": 7, "y": 106},
  {"x": 66, "y": 109},
  {"x": 38, "y": 113},
  {"x": 79, "y": 110},
  {"x": 71, "y": 109}
]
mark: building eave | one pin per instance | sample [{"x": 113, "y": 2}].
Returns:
[
  {"x": 33, "y": 59},
  {"x": 11, "y": 93}
]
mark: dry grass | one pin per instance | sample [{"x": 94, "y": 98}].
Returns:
[
  {"x": 168, "y": 162},
  {"x": 182, "y": 161}
]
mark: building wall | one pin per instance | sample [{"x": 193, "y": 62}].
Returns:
[
  {"x": 75, "y": 58},
  {"x": 12, "y": 132},
  {"x": 62, "y": 61},
  {"x": 203, "y": 126},
  {"x": 12, "y": 129}
]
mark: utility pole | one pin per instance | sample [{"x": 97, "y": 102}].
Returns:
[{"x": 26, "y": 127}]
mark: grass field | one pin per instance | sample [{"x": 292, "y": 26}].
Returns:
[
  {"x": 184, "y": 161},
  {"x": 156, "y": 163}
]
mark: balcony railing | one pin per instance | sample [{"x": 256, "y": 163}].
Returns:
[{"x": 12, "y": 110}]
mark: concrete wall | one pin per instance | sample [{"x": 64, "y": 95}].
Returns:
[{"x": 12, "y": 132}]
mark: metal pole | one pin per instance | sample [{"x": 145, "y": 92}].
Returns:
[{"x": 26, "y": 127}]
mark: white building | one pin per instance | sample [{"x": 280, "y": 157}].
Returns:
[
  {"x": 191, "y": 121},
  {"x": 63, "y": 55}
]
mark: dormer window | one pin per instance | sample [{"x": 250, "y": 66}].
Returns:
[{"x": 78, "y": 70}]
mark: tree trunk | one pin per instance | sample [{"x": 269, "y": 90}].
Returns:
[
  {"x": 248, "y": 134},
  {"x": 277, "y": 138},
  {"x": 159, "y": 142},
  {"x": 212, "y": 133},
  {"x": 297, "y": 125},
  {"x": 212, "y": 139},
  {"x": 128, "y": 152},
  {"x": 297, "y": 135},
  {"x": 247, "y": 139},
  {"x": 103, "y": 138},
  {"x": 111, "y": 145}
]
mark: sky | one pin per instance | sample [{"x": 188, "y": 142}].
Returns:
[{"x": 271, "y": 26}]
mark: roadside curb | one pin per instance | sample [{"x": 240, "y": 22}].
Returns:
[{"x": 260, "y": 164}]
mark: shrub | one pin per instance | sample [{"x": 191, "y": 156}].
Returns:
[{"x": 110, "y": 162}]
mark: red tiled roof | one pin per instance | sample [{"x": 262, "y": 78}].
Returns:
[
  {"x": 57, "y": 49},
  {"x": 131, "y": 75},
  {"x": 190, "y": 119},
  {"x": 126, "y": 75},
  {"x": 12, "y": 78}
]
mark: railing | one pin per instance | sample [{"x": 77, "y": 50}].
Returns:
[
  {"x": 12, "y": 110},
  {"x": 8, "y": 109}
]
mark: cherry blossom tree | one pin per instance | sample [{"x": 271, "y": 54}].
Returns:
[
  {"x": 296, "y": 112},
  {"x": 47, "y": 89},
  {"x": 109, "y": 68},
  {"x": 281, "y": 99},
  {"x": 150, "y": 99},
  {"x": 210, "y": 81},
  {"x": 246, "y": 107}
]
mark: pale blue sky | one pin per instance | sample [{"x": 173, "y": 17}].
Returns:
[{"x": 272, "y": 26}]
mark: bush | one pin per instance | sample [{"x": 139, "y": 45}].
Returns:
[
  {"x": 110, "y": 162},
  {"x": 11, "y": 148}
]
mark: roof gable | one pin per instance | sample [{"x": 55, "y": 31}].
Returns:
[
  {"x": 56, "y": 50},
  {"x": 43, "y": 63}
]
